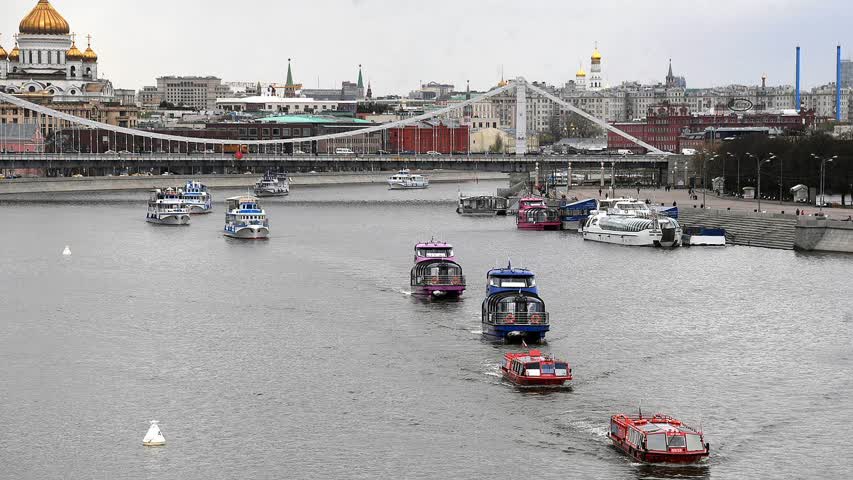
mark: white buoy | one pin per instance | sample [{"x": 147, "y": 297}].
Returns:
[
  {"x": 154, "y": 437},
  {"x": 67, "y": 251}
]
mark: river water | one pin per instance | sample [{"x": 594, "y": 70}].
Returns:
[{"x": 306, "y": 356}]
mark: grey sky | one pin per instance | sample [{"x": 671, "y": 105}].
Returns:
[{"x": 401, "y": 42}]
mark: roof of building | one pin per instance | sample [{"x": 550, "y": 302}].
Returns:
[
  {"x": 44, "y": 20},
  {"x": 311, "y": 119},
  {"x": 272, "y": 99}
]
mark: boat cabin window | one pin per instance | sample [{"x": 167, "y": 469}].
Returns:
[
  {"x": 694, "y": 442},
  {"x": 656, "y": 442},
  {"x": 561, "y": 369},
  {"x": 548, "y": 368},
  {"x": 532, "y": 369},
  {"x": 435, "y": 252},
  {"x": 512, "y": 282},
  {"x": 520, "y": 304},
  {"x": 677, "y": 442}
]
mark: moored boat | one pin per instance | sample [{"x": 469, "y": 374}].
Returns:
[
  {"x": 657, "y": 439},
  {"x": 535, "y": 214},
  {"x": 574, "y": 214},
  {"x": 626, "y": 221},
  {"x": 512, "y": 309},
  {"x": 699, "y": 235},
  {"x": 197, "y": 197},
  {"x": 245, "y": 219},
  {"x": 406, "y": 180},
  {"x": 270, "y": 185},
  {"x": 165, "y": 207},
  {"x": 482, "y": 205},
  {"x": 435, "y": 271},
  {"x": 535, "y": 369}
]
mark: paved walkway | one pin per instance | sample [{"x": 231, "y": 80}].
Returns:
[{"x": 658, "y": 196}]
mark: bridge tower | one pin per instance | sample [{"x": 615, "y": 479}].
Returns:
[{"x": 520, "y": 116}]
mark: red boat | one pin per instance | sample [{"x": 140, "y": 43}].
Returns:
[
  {"x": 534, "y": 214},
  {"x": 533, "y": 369},
  {"x": 659, "y": 439}
]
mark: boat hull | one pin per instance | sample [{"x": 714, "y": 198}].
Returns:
[
  {"x": 516, "y": 333},
  {"x": 199, "y": 209},
  {"x": 539, "y": 226},
  {"x": 704, "y": 240},
  {"x": 635, "y": 239},
  {"x": 252, "y": 232},
  {"x": 407, "y": 187},
  {"x": 173, "y": 220},
  {"x": 440, "y": 290},
  {"x": 271, "y": 194},
  {"x": 657, "y": 457}
]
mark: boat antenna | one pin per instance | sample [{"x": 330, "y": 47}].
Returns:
[
  {"x": 640, "y": 410},
  {"x": 508, "y": 264}
]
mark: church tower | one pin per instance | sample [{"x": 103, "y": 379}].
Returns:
[
  {"x": 595, "y": 81},
  {"x": 3, "y": 63},
  {"x": 580, "y": 79}
]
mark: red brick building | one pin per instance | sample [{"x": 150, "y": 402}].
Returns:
[
  {"x": 426, "y": 137},
  {"x": 672, "y": 128}
]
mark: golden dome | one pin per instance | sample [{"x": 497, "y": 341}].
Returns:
[
  {"x": 503, "y": 83},
  {"x": 73, "y": 53},
  {"x": 89, "y": 55},
  {"x": 3, "y": 53},
  {"x": 580, "y": 73},
  {"x": 596, "y": 55},
  {"x": 15, "y": 54},
  {"x": 44, "y": 20}
]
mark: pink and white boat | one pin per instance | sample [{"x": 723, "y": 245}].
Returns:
[
  {"x": 534, "y": 214},
  {"x": 435, "y": 271}
]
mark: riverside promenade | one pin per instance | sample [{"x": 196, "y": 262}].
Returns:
[{"x": 80, "y": 184}]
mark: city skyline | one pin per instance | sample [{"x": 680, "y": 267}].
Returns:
[{"x": 467, "y": 43}]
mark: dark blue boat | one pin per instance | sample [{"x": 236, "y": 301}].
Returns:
[
  {"x": 575, "y": 214},
  {"x": 512, "y": 310}
]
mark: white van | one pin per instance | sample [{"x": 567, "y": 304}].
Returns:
[
  {"x": 344, "y": 151},
  {"x": 624, "y": 151}
]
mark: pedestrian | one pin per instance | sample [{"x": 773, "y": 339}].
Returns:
[
  {"x": 674, "y": 204},
  {"x": 638, "y": 191},
  {"x": 599, "y": 193},
  {"x": 798, "y": 212},
  {"x": 563, "y": 201}
]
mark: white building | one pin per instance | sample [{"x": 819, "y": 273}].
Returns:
[
  {"x": 199, "y": 93},
  {"x": 46, "y": 60},
  {"x": 274, "y": 104}
]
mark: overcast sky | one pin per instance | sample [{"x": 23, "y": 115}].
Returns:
[{"x": 402, "y": 42}]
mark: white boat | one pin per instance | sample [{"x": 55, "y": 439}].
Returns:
[
  {"x": 244, "y": 218},
  {"x": 271, "y": 185},
  {"x": 405, "y": 180},
  {"x": 165, "y": 207},
  {"x": 703, "y": 236},
  {"x": 625, "y": 221},
  {"x": 197, "y": 198},
  {"x": 482, "y": 205}
]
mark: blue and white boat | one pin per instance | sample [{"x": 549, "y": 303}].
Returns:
[
  {"x": 574, "y": 215},
  {"x": 165, "y": 207},
  {"x": 196, "y": 197},
  {"x": 705, "y": 236},
  {"x": 512, "y": 310},
  {"x": 244, "y": 218},
  {"x": 271, "y": 185}
]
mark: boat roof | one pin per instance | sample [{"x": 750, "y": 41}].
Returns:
[
  {"x": 433, "y": 244},
  {"x": 511, "y": 272},
  {"x": 656, "y": 423},
  {"x": 243, "y": 198},
  {"x": 531, "y": 356}
]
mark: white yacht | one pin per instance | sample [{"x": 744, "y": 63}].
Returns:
[
  {"x": 626, "y": 221},
  {"x": 244, "y": 218},
  {"x": 271, "y": 185},
  {"x": 405, "y": 180},
  {"x": 196, "y": 197},
  {"x": 165, "y": 207}
]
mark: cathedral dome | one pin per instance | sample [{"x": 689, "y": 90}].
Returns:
[
  {"x": 44, "y": 20},
  {"x": 15, "y": 54},
  {"x": 3, "y": 53},
  {"x": 581, "y": 73},
  {"x": 73, "y": 53},
  {"x": 89, "y": 55},
  {"x": 596, "y": 55}
]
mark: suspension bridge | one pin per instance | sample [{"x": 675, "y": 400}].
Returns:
[{"x": 72, "y": 143}]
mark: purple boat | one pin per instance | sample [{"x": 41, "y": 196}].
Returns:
[{"x": 436, "y": 272}]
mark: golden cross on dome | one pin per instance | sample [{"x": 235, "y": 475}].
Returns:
[
  {"x": 73, "y": 38},
  {"x": 89, "y": 39}
]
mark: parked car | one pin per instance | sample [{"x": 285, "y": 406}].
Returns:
[
  {"x": 383, "y": 152},
  {"x": 344, "y": 151},
  {"x": 433, "y": 152}
]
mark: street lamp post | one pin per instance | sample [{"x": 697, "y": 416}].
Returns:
[
  {"x": 705, "y": 178},
  {"x": 758, "y": 163},
  {"x": 823, "y": 162}
]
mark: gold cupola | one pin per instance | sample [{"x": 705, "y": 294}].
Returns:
[
  {"x": 89, "y": 55},
  {"x": 581, "y": 72},
  {"x": 3, "y": 53},
  {"x": 73, "y": 54},
  {"x": 44, "y": 20},
  {"x": 15, "y": 54},
  {"x": 596, "y": 55}
]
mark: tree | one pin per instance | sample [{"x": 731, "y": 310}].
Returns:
[
  {"x": 579, "y": 127},
  {"x": 498, "y": 146}
]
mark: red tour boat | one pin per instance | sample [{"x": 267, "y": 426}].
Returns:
[
  {"x": 659, "y": 439},
  {"x": 533, "y": 369}
]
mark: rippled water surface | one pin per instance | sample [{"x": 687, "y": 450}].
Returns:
[{"x": 305, "y": 356}]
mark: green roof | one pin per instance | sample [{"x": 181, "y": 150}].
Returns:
[{"x": 311, "y": 119}]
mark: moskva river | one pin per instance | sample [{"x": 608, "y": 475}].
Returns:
[{"x": 306, "y": 356}]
